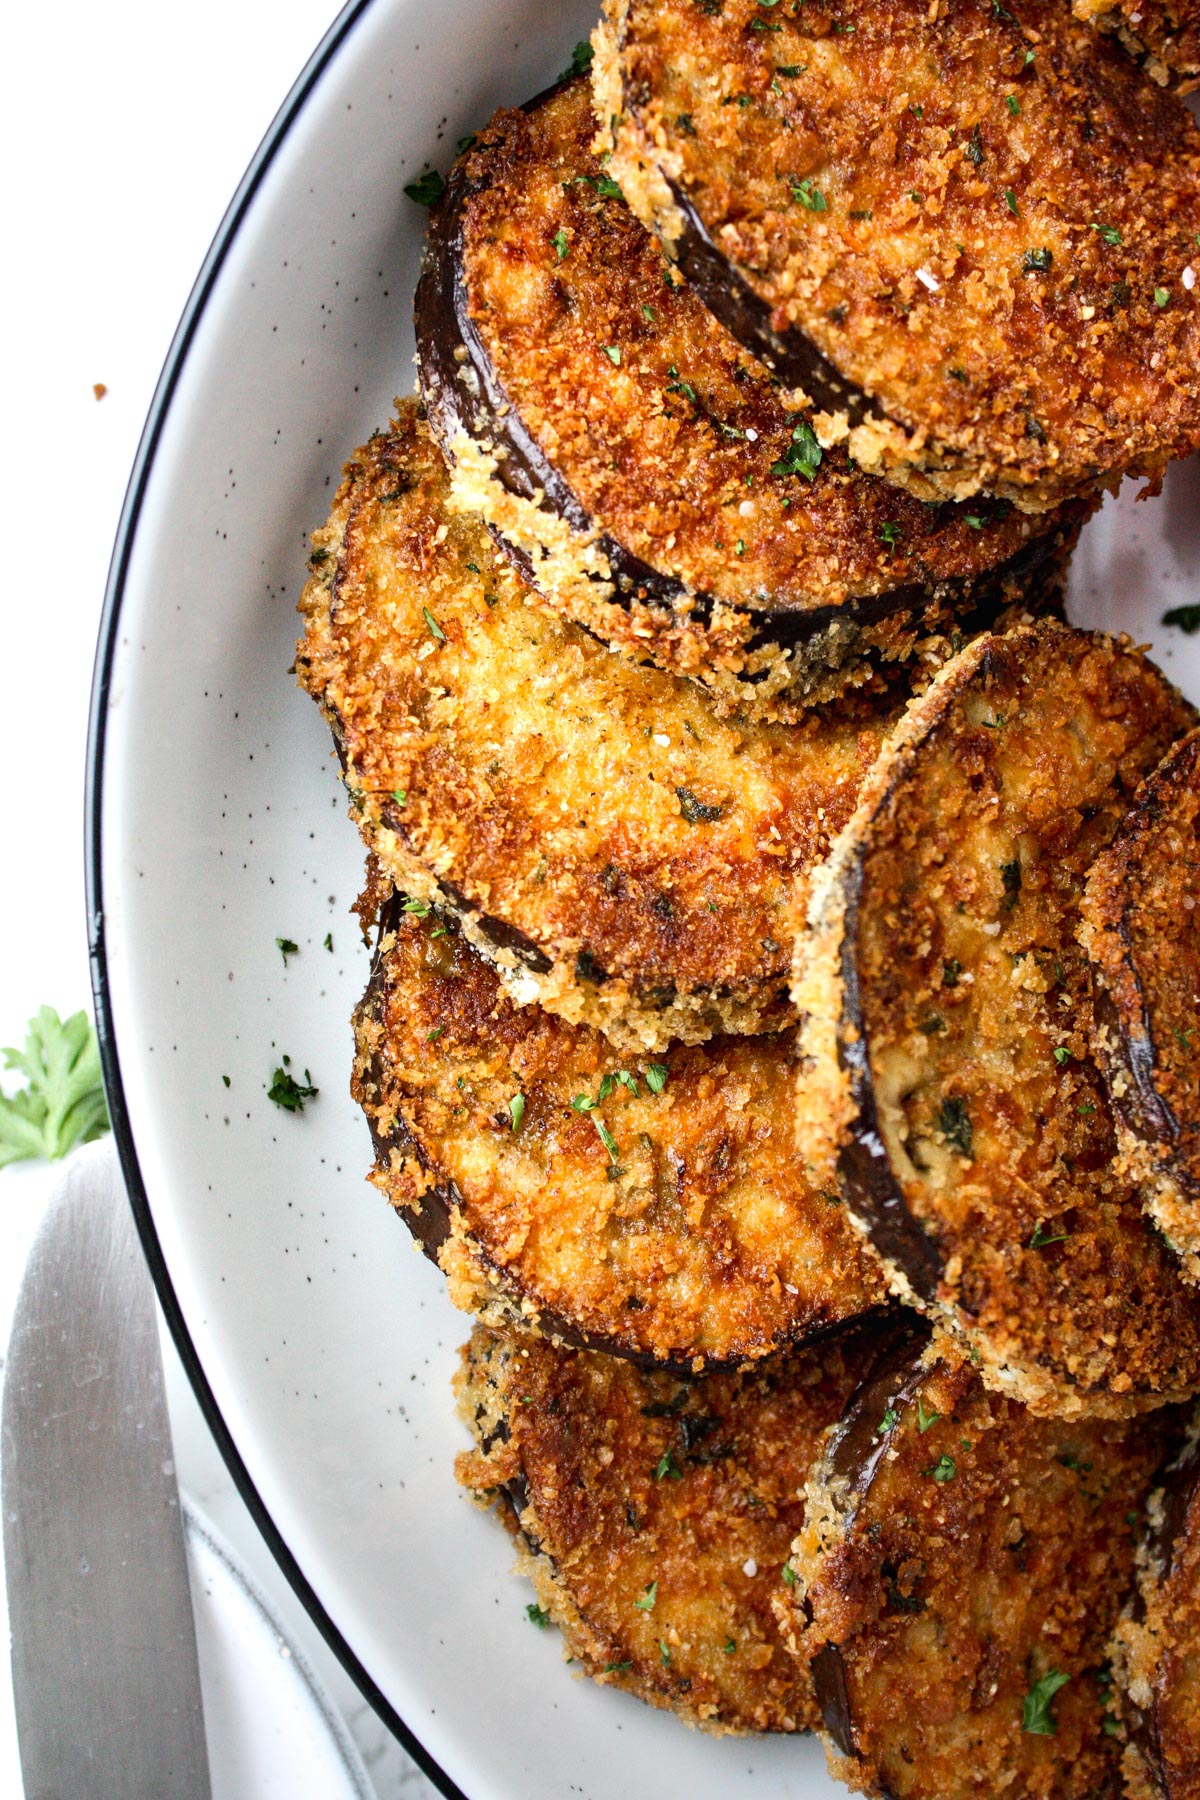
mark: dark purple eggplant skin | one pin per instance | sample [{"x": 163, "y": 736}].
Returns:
[
  {"x": 1139, "y": 1105},
  {"x": 854, "y": 1454},
  {"x": 863, "y": 1163},
  {"x": 462, "y": 393}
]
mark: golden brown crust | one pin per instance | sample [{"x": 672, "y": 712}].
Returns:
[
  {"x": 950, "y": 1074},
  {"x": 968, "y": 209},
  {"x": 1156, "y": 1647},
  {"x": 657, "y": 1515},
  {"x": 691, "y": 1238},
  {"x": 631, "y": 446},
  {"x": 623, "y": 855},
  {"x": 957, "y": 1553},
  {"x": 1164, "y": 35},
  {"x": 1141, "y": 931}
]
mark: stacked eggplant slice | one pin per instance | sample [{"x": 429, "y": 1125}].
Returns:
[{"x": 783, "y": 1030}]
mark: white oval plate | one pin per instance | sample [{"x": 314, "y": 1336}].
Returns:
[
  {"x": 320, "y": 1344},
  {"x": 273, "y": 1733}
]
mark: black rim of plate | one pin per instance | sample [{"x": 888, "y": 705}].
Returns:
[{"x": 110, "y": 620}]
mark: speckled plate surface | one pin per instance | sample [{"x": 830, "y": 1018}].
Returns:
[{"x": 320, "y": 1344}]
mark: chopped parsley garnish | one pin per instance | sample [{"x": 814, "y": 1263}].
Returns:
[
  {"x": 427, "y": 189},
  {"x": 1111, "y": 234},
  {"x": 1162, "y": 297},
  {"x": 226, "y": 1080},
  {"x": 62, "y": 1102},
  {"x": 435, "y": 630},
  {"x": 790, "y": 70},
  {"x": 1010, "y": 200},
  {"x": 951, "y": 970},
  {"x": 975, "y": 147},
  {"x": 788, "y": 1574},
  {"x": 656, "y": 1077},
  {"x": 1041, "y": 1238},
  {"x": 890, "y": 534},
  {"x": 1010, "y": 874},
  {"x": 400, "y": 796},
  {"x": 286, "y": 948},
  {"x": 696, "y": 812},
  {"x": 806, "y": 194},
  {"x": 802, "y": 456},
  {"x": 516, "y": 1111},
  {"x": 289, "y": 1093},
  {"x": 1035, "y": 1712},
  {"x": 559, "y": 240},
  {"x": 329, "y": 941},
  {"x": 431, "y": 1037},
  {"x": 739, "y": 549},
  {"x": 925, "y": 1419},
  {"x": 537, "y": 1615},
  {"x": 1061, "y": 1055},
  {"x": 613, "y": 353},
  {"x": 649, "y": 314},
  {"x": 617, "y": 1668},
  {"x": 729, "y": 1646},
  {"x": 667, "y": 1469},
  {"x": 419, "y": 909},
  {"x": 943, "y": 1470},
  {"x": 1036, "y": 262},
  {"x": 1013, "y": 104},
  {"x": 890, "y": 1417},
  {"x": 1187, "y": 618},
  {"x": 664, "y": 1653},
  {"x": 647, "y": 1599},
  {"x": 954, "y": 1123},
  {"x": 606, "y": 1137},
  {"x": 581, "y": 60},
  {"x": 608, "y": 189}
]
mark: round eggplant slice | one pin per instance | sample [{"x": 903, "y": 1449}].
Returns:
[
  {"x": 1141, "y": 930},
  {"x": 961, "y": 1567},
  {"x": 656, "y": 1516},
  {"x": 624, "y": 856},
  {"x": 946, "y": 1069},
  {"x": 644, "y": 471},
  {"x": 963, "y": 230},
  {"x": 1156, "y": 1649},
  {"x": 651, "y": 1209},
  {"x": 1164, "y": 36}
]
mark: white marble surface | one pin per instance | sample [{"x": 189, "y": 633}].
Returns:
[{"x": 125, "y": 135}]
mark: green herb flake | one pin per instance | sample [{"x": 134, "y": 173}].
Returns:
[
  {"x": 803, "y": 455},
  {"x": 418, "y": 909},
  {"x": 667, "y": 1469},
  {"x": 889, "y": 1419},
  {"x": 287, "y": 1092},
  {"x": 943, "y": 1470},
  {"x": 606, "y": 1137},
  {"x": 1010, "y": 200},
  {"x": 1036, "y": 262},
  {"x": 696, "y": 812},
  {"x": 329, "y": 942},
  {"x": 62, "y": 1102},
  {"x": 1041, "y": 1238},
  {"x": 790, "y": 70},
  {"x": 891, "y": 534},
  {"x": 427, "y": 189},
  {"x": 431, "y": 1037},
  {"x": 561, "y": 246},
  {"x": 1036, "y": 1717},
  {"x": 1010, "y": 875},
  {"x": 435, "y": 630},
  {"x": 1185, "y": 618},
  {"x": 1162, "y": 297},
  {"x": 286, "y": 948},
  {"x": 613, "y": 353},
  {"x": 975, "y": 151},
  {"x": 537, "y": 1615},
  {"x": 925, "y": 1419},
  {"x": 739, "y": 549},
  {"x": 788, "y": 1574},
  {"x": 1110, "y": 234},
  {"x": 806, "y": 194},
  {"x": 608, "y": 189},
  {"x": 516, "y": 1111},
  {"x": 729, "y": 1646},
  {"x": 649, "y": 314},
  {"x": 581, "y": 60},
  {"x": 226, "y": 1081},
  {"x": 664, "y": 1653},
  {"x": 951, "y": 970},
  {"x": 1061, "y": 1055},
  {"x": 617, "y": 1668},
  {"x": 1013, "y": 104},
  {"x": 656, "y": 1077},
  {"x": 954, "y": 1123},
  {"x": 647, "y": 1599}
]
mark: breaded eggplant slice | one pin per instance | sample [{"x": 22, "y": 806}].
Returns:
[
  {"x": 1141, "y": 930},
  {"x": 656, "y": 1516},
  {"x": 960, "y": 1569},
  {"x": 643, "y": 469},
  {"x": 1164, "y": 36},
  {"x": 624, "y": 856},
  {"x": 654, "y": 1210},
  {"x": 961, "y": 229},
  {"x": 946, "y": 1066},
  {"x": 1156, "y": 1650}
]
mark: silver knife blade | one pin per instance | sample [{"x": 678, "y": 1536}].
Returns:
[{"x": 105, "y": 1671}]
